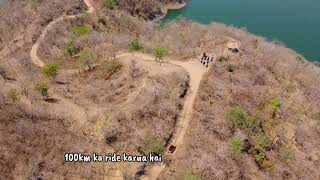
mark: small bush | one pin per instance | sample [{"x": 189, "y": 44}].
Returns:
[
  {"x": 42, "y": 88},
  {"x": 274, "y": 106},
  {"x": 70, "y": 47},
  {"x": 236, "y": 146},
  {"x": 81, "y": 30},
  {"x": 50, "y": 70},
  {"x": 260, "y": 157},
  {"x": 109, "y": 4},
  {"x": 13, "y": 95},
  {"x": 136, "y": 45},
  {"x": 159, "y": 52},
  {"x": 276, "y": 102},
  {"x": 188, "y": 175},
  {"x": 239, "y": 118}
]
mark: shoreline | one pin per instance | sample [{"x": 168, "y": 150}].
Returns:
[{"x": 168, "y": 7}]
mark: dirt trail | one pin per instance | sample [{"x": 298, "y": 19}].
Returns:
[
  {"x": 34, "y": 50},
  {"x": 78, "y": 112},
  {"x": 193, "y": 67},
  {"x": 195, "y": 70}
]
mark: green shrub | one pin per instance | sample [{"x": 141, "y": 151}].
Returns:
[
  {"x": 316, "y": 116},
  {"x": 81, "y": 30},
  {"x": 152, "y": 144},
  {"x": 261, "y": 142},
  {"x": 109, "y": 4},
  {"x": 13, "y": 95},
  {"x": 159, "y": 52},
  {"x": 136, "y": 44},
  {"x": 188, "y": 175},
  {"x": 42, "y": 88},
  {"x": 50, "y": 70},
  {"x": 260, "y": 157},
  {"x": 109, "y": 68},
  {"x": 276, "y": 103},
  {"x": 274, "y": 106},
  {"x": 239, "y": 118},
  {"x": 71, "y": 48},
  {"x": 236, "y": 146}
]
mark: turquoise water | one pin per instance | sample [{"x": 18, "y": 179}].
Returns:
[{"x": 296, "y": 23}]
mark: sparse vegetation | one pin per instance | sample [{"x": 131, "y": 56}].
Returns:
[
  {"x": 261, "y": 142},
  {"x": 152, "y": 144},
  {"x": 42, "y": 88},
  {"x": 50, "y": 70},
  {"x": 291, "y": 88},
  {"x": 81, "y": 30},
  {"x": 109, "y": 68},
  {"x": 236, "y": 146},
  {"x": 109, "y": 4},
  {"x": 260, "y": 72},
  {"x": 13, "y": 95},
  {"x": 239, "y": 118},
  {"x": 316, "y": 116},
  {"x": 86, "y": 58},
  {"x": 286, "y": 153}
]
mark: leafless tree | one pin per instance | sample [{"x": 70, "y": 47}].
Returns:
[{"x": 133, "y": 69}]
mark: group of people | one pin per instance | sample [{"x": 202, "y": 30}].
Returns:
[{"x": 205, "y": 59}]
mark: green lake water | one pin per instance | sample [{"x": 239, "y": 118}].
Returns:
[{"x": 296, "y": 23}]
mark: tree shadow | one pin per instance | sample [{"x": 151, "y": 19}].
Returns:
[
  {"x": 53, "y": 100},
  {"x": 62, "y": 83}
]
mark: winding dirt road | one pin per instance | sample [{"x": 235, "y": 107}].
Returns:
[{"x": 193, "y": 68}]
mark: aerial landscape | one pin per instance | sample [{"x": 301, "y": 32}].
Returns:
[{"x": 159, "y": 89}]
